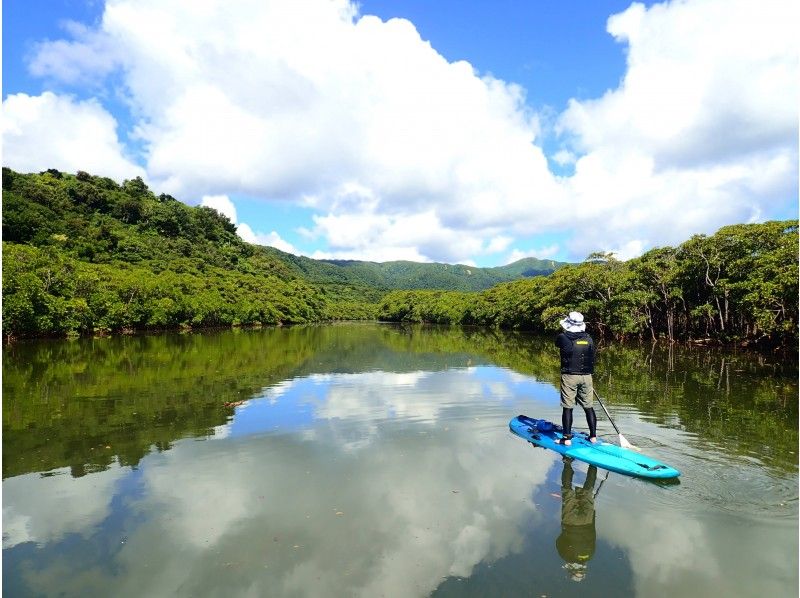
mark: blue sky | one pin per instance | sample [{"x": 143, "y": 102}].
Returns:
[
  {"x": 556, "y": 50},
  {"x": 469, "y": 132}
]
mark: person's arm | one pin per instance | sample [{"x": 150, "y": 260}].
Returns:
[{"x": 560, "y": 340}]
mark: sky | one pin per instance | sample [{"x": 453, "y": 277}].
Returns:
[{"x": 461, "y": 132}]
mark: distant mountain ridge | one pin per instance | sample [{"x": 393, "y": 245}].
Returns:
[{"x": 414, "y": 275}]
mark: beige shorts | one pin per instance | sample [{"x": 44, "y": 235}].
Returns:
[{"x": 576, "y": 387}]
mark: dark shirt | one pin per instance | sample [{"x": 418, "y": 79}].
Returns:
[{"x": 577, "y": 352}]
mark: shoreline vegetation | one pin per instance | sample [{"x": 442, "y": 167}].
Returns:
[
  {"x": 84, "y": 255},
  {"x": 120, "y": 397}
]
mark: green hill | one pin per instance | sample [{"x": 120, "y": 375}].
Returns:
[
  {"x": 83, "y": 253},
  {"x": 529, "y": 266},
  {"x": 414, "y": 275},
  {"x": 86, "y": 255}
]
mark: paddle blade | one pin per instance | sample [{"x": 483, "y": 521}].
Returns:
[{"x": 623, "y": 442}]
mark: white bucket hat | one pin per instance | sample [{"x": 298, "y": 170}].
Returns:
[{"x": 573, "y": 322}]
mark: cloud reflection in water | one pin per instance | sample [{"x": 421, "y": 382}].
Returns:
[{"x": 362, "y": 484}]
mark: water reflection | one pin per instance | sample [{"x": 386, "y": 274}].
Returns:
[
  {"x": 319, "y": 509},
  {"x": 90, "y": 403},
  {"x": 368, "y": 461},
  {"x": 576, "y": 543},
  {"x": 47, "y": 508}
]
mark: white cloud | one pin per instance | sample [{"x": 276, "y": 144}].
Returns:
[
  {"x": 629, "y": 250},
  {"x": 52, "y": 131},
  {"x": 702, "y": 131},
  {"x": 222, "y": 204},
  {"x": 564, "y": 157},
  {"x": 708, "y": 81},
  {"x": 270, "y": 102},
  {"x": 273, "y": 239},
  {"x": 499, "y": 243},
  {"x": 94, "y": 55},
  {"x": 406, "y": 155},
  {"x": 246, "y": 233},
  {"x": 374, "y": 253},
  {"x": 419, "y": 236}
]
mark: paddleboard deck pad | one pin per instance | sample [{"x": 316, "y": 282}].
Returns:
[{"x": 545, "y": 434}]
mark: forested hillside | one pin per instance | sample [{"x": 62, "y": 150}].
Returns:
[
  {"x": 738, "y": 285},
  {"x": 85, "y": 255},
  {"x": 414, "y": 275}
]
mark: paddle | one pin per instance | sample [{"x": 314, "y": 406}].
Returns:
[{"x": 623, "y": 442}]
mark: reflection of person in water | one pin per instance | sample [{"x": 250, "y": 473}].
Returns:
[{"x": 578, "y": 535}]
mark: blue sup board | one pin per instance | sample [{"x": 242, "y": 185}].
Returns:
[{"x": 609, "y": 456}]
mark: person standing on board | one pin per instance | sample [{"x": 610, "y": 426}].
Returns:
[{"x": 577, "y": 366}]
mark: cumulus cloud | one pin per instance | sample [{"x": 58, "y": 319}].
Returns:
[
  {"x": 499, "y": 243},
  {"x": 273, "y": 239},
  {"x": 418, "y": 237},
  {"x": 701, "y": 132},
  {"x": 564, "y": 157},
  {"x": 92, "y": 55},
  {"x": 403, "y": 154},
  {"x": 629, "y": 250},
  {"x": 224, "y": 205},
  {"x": 54, "y": 131},
  {"x": 269, "y": 102},
  {"x": 708, "y": 81}
]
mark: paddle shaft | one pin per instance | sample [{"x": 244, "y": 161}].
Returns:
[{"x": 606, "y": 411}]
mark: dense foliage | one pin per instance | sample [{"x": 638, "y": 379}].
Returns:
[
  {"x": 83, "y": 254},
  {"x": 93, "y": 402},
  {"x": 415, "y": 275},
  {"x": 738, "y": 285}
]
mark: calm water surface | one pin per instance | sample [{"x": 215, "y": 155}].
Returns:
[{"x": 369, "y": 460}]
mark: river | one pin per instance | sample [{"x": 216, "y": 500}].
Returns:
[{"x": 376, "y": 460}]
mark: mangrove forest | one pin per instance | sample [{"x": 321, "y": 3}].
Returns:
[{"x": 85, "y": 255}]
